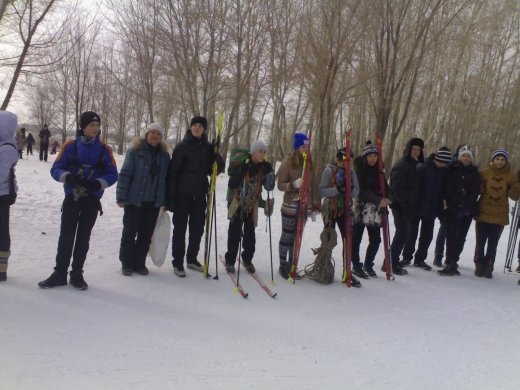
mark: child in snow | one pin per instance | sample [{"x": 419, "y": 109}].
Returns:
[
  {"x": 187, "y": 190},
  {"x": 290, "y": 181},
  {"x": 367, "y": 208},
  {"x": 141, "y": 190},
  {"x": 8, "y": 159},
  {"x": 332, "y": 188},
  {"x": 499, "y": 183},
  {"x": 30, "y": 142},
  {"x": 55, "y": 146},
  {"x": 86, "y": 166},
  {"x": 461, "y": 190},
  {"x": 245, "y": 187}
]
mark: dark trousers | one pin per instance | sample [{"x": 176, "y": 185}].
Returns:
[
  {"x": 20, "y": 153},
  {"x": 138, "y": 226},
  {"x": 490, "y": 233},
  {"x": 190, "y": 210},
  {"x": 44, "y": 151},
  {"x": 29, "y": 149},
  {"x": 441, "y": 239},
  {"x": 425, "y": 239},
  {"x": 403, "y": 225},
  {"x": 374, "y": 239},
  {"x": 77, "y": 220},
  {"x": 245, "y": 227},
  {"x": 456, "y": 231},
  {"x": 5, "y": 238}
]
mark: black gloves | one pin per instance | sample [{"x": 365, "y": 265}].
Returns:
[
  {"x": 90, "y": 185},
  {"x": 72, "y": 179}
]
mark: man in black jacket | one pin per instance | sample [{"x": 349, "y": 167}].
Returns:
[
  {"x": 45, "y": 136},
  {"x": 186, "y": 191},
  {"x": 405, "y": 187}
]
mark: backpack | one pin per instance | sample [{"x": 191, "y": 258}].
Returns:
[
  {"x": 99, "y": 165},
  {"x": 238, "y": 156}
]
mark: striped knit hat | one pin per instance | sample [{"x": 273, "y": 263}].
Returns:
[
  {"x": 465, "y": 150},
  {"x": 443, "y": 155},
  {"x": 369, "y": 148},
  {"x": 500, "y": 152}
]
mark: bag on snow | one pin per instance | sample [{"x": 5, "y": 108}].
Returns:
[{"x": 160, "y": 239}]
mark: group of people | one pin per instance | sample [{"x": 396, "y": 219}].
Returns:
[
  {"x": 444, "y": 186},
  {"x": 27, "y": 141}
]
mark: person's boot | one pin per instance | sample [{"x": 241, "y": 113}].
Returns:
[
  {"x": 369, "y": 269},
  {"x": 405, "y": 262},
  {"x": 422, "y": 265},
  {"x": 194, "y": 265},
  {"x": 488, "y": 270},
  {"x": 76, "y": 280},
  {"x": 230, "y": 268},
  {"x": 283, "y": 270},
  {"x": 357, "y": 269},
  {"x": 517, "y": 270},
  {"x": 249, "y": 267},
  {"x": 479, "y": 270},
  {"x": 56, "y": 279},
  {"x": 354, "y": 282},
  {"x": 141, "y": 270},
  {"x": 449, "y": 270},
  {"x": 437, "y": 261},
  {"x": 398, "y": 269},
  {"x": 4, "y": 258}
]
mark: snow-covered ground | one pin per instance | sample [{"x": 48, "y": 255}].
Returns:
[{"x": 421, "y": 331}]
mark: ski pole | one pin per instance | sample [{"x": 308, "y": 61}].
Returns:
[
  {"x": 270, "y": 236},
  {"x": 215, "y": 229}
]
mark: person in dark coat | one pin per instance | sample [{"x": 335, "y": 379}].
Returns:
[
  {"x": 45, "y": 137},
  {"x": 245, "y": 187},
  {"x": 20, "y": 141},
  {"x": 429, "y": 208},
  {"x": 186, "y": 192},
  {"x": 8, "y": 188},
  {"x": 86, "y": 166},
  {"x": 462, "y": 188},
  {"x": 405, "y": 188},
  {"x": 367, "y": 208},
  {"x": 141, "y": 190},
  {"x": 30, "y": 142}
]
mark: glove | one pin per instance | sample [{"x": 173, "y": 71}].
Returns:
[
  {"x": 90, "y": 185},
  {"x": 73, "y": 179},
  {"x": 269, "y": 181},
  {"x": 340, "y": 177},
  {"x": 269, "y": 207},
  {"x": 297, "y": 183}
]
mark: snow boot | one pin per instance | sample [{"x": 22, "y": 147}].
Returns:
[
  {"x": 249, "y": 267},
  {"x": 479, "y": 270},
  {"x": 437, "y": 261},
  {"x": 370, "y": 270},
  {"x": 76, "y": 280},
  {"x": 422, "y": 265},
  {"x": 488, "y": 271},
  {"x": 449, "y": 270},
  {"x": 56, "y": 279},
  {"x": 4, "y": 258},
  {"x": 230, "y": 268},
  {"x": 179, "y": 271},
  {"x": 127, "y": 271},
  {"x": 354, "y": 282},
  {"x": 195, "y": 265},
  {"x": 398, "y": 269},
  {"x": 405, "y": 262},
  {"x": 357, "y": 270},
  {"x": 142, "y": 270},
  {"x": 283, "y": 270}
]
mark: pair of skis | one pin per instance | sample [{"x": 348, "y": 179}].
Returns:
[{"x": 513, "y": 235}]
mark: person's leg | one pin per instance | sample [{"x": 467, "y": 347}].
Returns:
[
  {"x": 374, "y": 237},
  {"x": 180, "y": 224},
  {"x": 425, "y": 239},
  {"x": 286, "y": 243},
  {"x": 409, "y": 246},
  {"x": 481, "y": 231},
  {"x": 69, "y": 223},
  {"x": 249, "y": 240},
  {"x": 87, "y": 219},
  {"x": 5, "y": 239},
  {"x": 46, "y": 152},
  {"x": 357, "y": 236},
  {"x": 402, "y": 228},
  {"x": 127, "y": 249},
  {"x": 234, "y": 237},
  {"x": 148, "y": 218},
  {"x": 196, "y": 226},
  {"x": 491, "y": 252}
]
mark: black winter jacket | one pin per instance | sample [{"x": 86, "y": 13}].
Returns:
[
  {"x": 462, "y": 188},
  {"x": 430, "y": 204},
  {"x": 368, "y": 178}
]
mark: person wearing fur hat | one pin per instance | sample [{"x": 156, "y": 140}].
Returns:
[
  {"x": 245, "y": 188},
  {"x": 289, "y": 182},
  {"x": 45, "y": 137},
  {"x": 86, "y": 167},
  {"x": 141, "y": 191},
  {"x": 405, "y": 187},
  {"x": 8, "y": 187},
  {"x": 429, "y": 208},
  {"x": 366, "y": 209},
  {"x": 499, "y": 184},
  {"x": 186, "y": 192},
  {"x": 461, "y": 191}
]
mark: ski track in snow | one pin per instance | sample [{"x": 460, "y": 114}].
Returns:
[{"x": 162, "y": 332}]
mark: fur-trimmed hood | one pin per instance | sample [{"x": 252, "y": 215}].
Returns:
[{"x": 139, "y": 142}]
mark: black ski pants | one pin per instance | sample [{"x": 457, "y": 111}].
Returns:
[
  {"x": 441, "y": 239},
  {"x": 44, "y": 152},
  {"x": 138, "y": 226},
  {"x": 403, "y": 226},
  {"x": 77, "y": 221},
  {"x": 456, "y": 231},
  {"x": 490, "y": 233},
  {"x": 190, "y": 210},
  {"x": 374, "y": 240},
  {"x": 425, "y": 239},
  {"x": 29, "y": 149},
  {"x": 5, "y": 237},
  {"x": 241, "y": 227}
]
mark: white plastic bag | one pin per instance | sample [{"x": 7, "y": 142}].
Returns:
[{"x": 160, "y": 239}]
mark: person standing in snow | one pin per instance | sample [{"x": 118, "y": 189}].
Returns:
[
  {"x": 367, "y": 208},
  {"x": 45, "y": 137},
  {"x": 499, "y": 184},
  {"x": 245, "y": 188},
  {"x": 141, "y": 190},
  {"x": 86, "y": 167},
  {"x": 461, "y": 190},
  {"x": 405, "y": 187},
  {"x": 289, "y": 182},
  {"x": 8, "y": 188},
  {"x": 30, "y": 142},
  {"x": 429, "y": 208},
  {"x": 187, "y": 190},
  {"x": 20, "y": 141},
  {"x": 332, "y": 188}
]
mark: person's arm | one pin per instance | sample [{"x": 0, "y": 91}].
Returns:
[
  {"x": 326, "y": 191},
  {"x": 125, "y": 178}
]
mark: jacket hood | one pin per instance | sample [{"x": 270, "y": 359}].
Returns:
[
  {"x": 408, "y": 148},
  {"x": 139, "y": 142},
  {"x": 8, "y": 124}
]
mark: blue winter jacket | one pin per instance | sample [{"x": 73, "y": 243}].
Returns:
[
  {"x": 430, "y": 204},
  {"x": 90, "y": 158},
  {"x": 143, "y": 176}
]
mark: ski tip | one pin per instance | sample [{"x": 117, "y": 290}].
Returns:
[{"x": 274, "y": 295}]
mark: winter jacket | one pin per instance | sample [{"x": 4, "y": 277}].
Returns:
[
  {"x": 430, "y": 204},
  {"x": 291, "y": 170},
  {"x": 8, "y": 152},
  {"x": 88, "y": 157},
  {"x": 30, "y": 139},
  {"x": 328, "y": 186},
  {"x": 405, "y": 182},
  {"x": 45, "y": 136},
  {"x": 143, "y": 175},
  {"x": 461, "y": 189},
  {"x": 20, "y": 140},
  {"x": 189, "y": 168},
  {"x": 497, "y": 185}
]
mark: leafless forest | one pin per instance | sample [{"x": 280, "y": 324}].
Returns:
[{"x": 445, "y": 70}]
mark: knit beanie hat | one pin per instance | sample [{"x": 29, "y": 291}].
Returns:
[
  {"x": 443, "y": 155},
  {"x": 156, "y": 127},
  {"x": 341, "y": 153},
  {"x": 500, "y": 152},
  {"x": 88, "y": 117},
  {"x": 299, "y": 140},
  {"x": 257, "y": 146},
  {"x": 369, "y": 148},
  {"x": 465, "y": 150},
  {"x": 417, "y": 142},
  {"x": 200, "y": 120}
]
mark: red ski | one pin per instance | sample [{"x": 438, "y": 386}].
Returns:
[
  {"x": 384, "y": 212},
  {"x": 347, "y": 215},
  {"x": 260, "y": 282}
]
